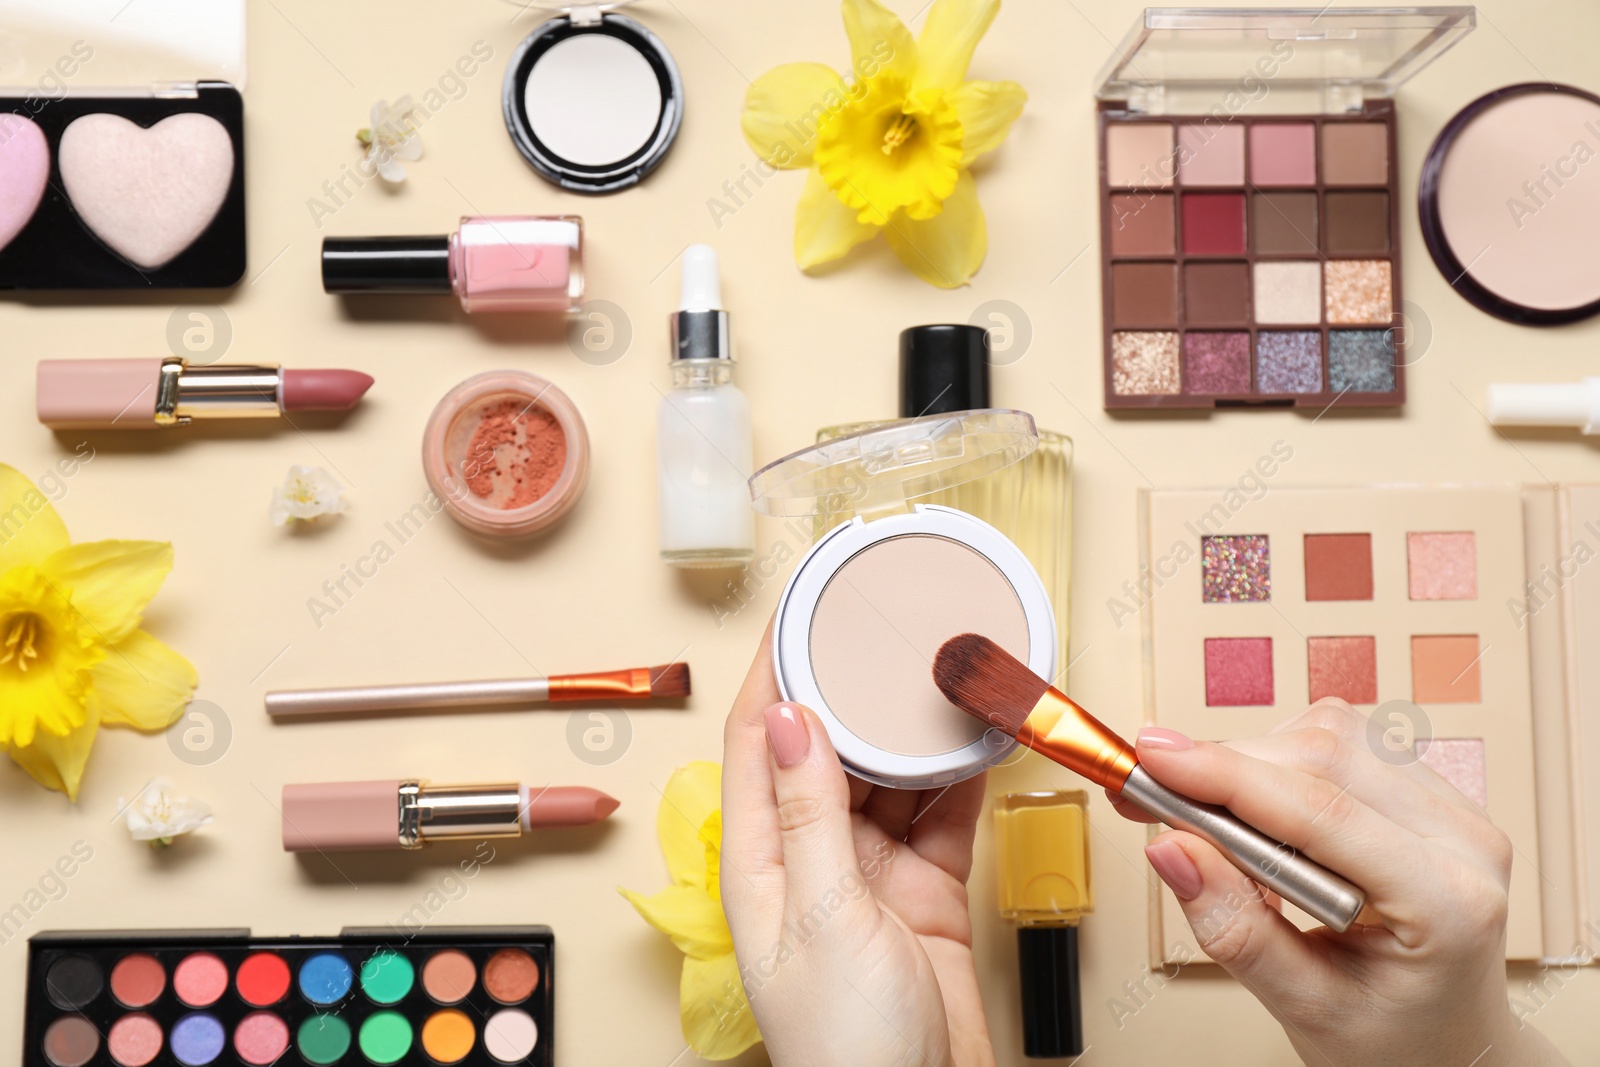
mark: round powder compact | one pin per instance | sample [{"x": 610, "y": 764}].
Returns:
[
  {"x": 1509, "y": 201},
  {"x": 868, "y": 607},
  {"x": 506, "y": 453},
  {"x": 593, "y": 100}
]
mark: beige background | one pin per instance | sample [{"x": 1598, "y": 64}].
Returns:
[{"x": 592, "y": 594}]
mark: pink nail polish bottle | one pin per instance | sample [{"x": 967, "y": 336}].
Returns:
[{"x": 492, "y": 263}]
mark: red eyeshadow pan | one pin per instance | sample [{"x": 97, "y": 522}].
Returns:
[
  {"x": 1343, "y": 667},
  {"x": 1213, "y": 224},
  {"x": 1238, "y": 671},
  {"x": 1339, "y": 567},
  {"x": 138, "y": 980},
  {"x": 263, "y": 979}
]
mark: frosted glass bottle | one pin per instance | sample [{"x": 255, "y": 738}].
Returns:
[{"x": 705, "y": 457}]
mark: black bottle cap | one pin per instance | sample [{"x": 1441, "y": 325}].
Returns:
[
  {"x": 1052, "y": 1013},
  {"x": 386, "y": 265},
  {"x": 943, "y": 368}
]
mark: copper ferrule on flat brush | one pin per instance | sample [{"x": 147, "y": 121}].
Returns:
[
  {"x": 631, "y": 684},
  {"x": 1060, "y": 729}
]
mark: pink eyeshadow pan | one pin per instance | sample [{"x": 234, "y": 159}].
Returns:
[
  {"x": 1459, "y": 761},
  {"x": 1442, "y": 566},
  {"x": 1283, "y": 153},
  {"x": 200, "y": 979},
  {"x": 1343, "y": 667},
  {"x": 1238, "y": 671},
  {"x": 1211, "y": 155}
]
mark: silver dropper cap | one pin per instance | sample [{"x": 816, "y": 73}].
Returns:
[{"x": 700, "y": 326}]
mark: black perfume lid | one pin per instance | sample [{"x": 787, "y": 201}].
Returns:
[
  {"x": 943, "y": 368},
  {"x": 1052, "y": 1012},
  {"x": 386, "y": 265}
]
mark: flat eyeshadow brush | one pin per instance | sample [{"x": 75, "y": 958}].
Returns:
[
  {"x": 668, "y": 682},
  {"x": 985, "y": 681}
]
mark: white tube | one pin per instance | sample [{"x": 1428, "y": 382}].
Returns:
[{"x": 1570, "y": 404}]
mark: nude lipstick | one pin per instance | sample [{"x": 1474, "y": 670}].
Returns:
[
  {"x": 141, "y": 394},
  {"x": 406, "y": 813}
]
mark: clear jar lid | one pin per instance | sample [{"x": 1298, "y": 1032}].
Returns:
[{"x": 880, "y": 469}]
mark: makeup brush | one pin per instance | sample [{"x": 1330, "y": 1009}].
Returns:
[
  {"x": 667, "y": 682},
  {"x": 987, "y": 682}
]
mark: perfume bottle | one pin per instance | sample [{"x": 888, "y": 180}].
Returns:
[
  {"x": 703, "y": 449},
  {"x": 945, "y": 368},
  {"x": 501, "y": 263},
  {"x": 1042, "y": 859}
]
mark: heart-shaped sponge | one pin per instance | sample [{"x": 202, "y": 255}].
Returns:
[
  {"x": 147, "y": 193},
  {"x": 24, "y": 172}
]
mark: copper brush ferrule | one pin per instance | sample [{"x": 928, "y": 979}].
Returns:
[
  {"x": 631, "y": 684},
  {"x": 1060, "y": 729}
]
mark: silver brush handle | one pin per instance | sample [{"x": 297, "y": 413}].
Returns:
[
  {"x": 1308, "y": 885},
  {"x": 294, "y": 703}
]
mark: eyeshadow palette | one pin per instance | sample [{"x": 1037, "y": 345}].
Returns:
[
  {"x": 1394, "y": 599},
  {"x": 1250, "y": 248},
  {"x": 473, "y": 996}
]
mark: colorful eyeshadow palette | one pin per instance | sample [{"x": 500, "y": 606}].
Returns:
[
  {"x": 1394, "y": 599},
  {"x": 474, "y": 996},
  {"x": 1250, "y": 254}
]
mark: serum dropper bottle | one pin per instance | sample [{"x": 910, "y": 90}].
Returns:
[{"x": 703, "y": 449}]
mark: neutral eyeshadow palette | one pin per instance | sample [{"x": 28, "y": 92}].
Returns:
[
  {"x": 123, "y": 192},
  {"x": 474, "y": 996},
  {"x": 1252, "y": 261},
  {"x": 1394, "y": 599}
]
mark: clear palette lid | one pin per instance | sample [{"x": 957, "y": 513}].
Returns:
[
  {"x": 881, "y": 469},
  {"x": 1340, "y": 55},
  {"x": 99, "y": 47}
]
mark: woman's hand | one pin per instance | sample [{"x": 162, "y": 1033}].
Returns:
[
  {"x": 1422, "y": 978},
  {"x": 847, "y": 902}
]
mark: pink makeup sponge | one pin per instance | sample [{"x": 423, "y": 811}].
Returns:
[
  {"x": 24, "y": 173},
  {"x": 147, "y": 193}
]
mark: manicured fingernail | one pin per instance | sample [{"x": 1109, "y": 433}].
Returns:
[
  {"x": 787, "y": 734},
  {"x": 1175, "y": 868},
  {"x": 1166, "y": 740}
]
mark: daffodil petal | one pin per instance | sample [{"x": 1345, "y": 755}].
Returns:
[
  {"x": 687, "y": 915},
  {"x": 141, "y": 683},
  {"x": 30, "y": 529},
  {"x": 783, "y": 109},
  {"x": 47, "y": 700},
  {"x": 986, "y": 111},
  {"x": 878, "y": 40},
  {"x": 57, "y": 762},
  {"x": 948, "y": 249},
  {"x": 717, "y": 1021},
  {"x": 692, "y": 793},
  {"x": 824, "y": 228},
  {"x": 110, "y": 582},
  {"x": 948, "y": 38}
]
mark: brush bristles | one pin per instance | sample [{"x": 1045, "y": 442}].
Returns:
[
  {"x": 671, "y": 680},
  {"x": 987, "y": 682}
]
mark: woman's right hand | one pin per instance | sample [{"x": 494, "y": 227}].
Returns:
[{"x": 1421, "y": 979}]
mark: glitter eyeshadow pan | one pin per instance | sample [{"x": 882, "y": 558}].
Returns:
[{"x": 475, "y": 996}]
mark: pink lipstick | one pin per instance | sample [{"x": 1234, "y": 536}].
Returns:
[
  {"x": 396, "y": 813},
  {"x": 140, "y": 394}
]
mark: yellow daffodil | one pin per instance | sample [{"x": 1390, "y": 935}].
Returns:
[
  {"x": 716, "y": 1017},
  {"x": 889, "y": 146},
  {"x": 72, "y": 656}
]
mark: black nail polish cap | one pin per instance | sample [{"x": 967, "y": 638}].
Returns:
[{"x": 1052, "y": 1010}]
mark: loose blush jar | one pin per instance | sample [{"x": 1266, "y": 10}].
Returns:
[
  {"x": 868, "y": 606},
  {"x": 506, "y": 453}
]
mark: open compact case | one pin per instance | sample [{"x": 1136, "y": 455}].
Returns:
[
  {"x": 868, "y": 606},
  {"x": 122, "y": 159},
  {"x": 1249, "y": 204},
  {"x": 593, "y": 100}
]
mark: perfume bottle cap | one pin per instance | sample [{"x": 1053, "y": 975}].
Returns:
[
  {"x": 1052, "y": 1008},
  {"x": 943, "y": 368}
]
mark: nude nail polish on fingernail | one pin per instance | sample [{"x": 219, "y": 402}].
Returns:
[
  {"x": 1166, "y": 740},
  {"x": 787, "y": 734},
  {"x": 1176, "y": 869}
]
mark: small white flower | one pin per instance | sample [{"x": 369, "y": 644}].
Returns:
[
  {"x": 306, "y": 493},
  {"x": 158, "y": 815},
  {"x": 393, "y": 136}
]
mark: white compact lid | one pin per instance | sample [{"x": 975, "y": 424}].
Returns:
[
  {"x": 114, "y": 47},
  {"x": 1184, "y": 60},
  {"x": 791, "y": 640}
]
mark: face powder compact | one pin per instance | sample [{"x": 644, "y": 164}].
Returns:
[
  {"x": 506, "y": 453},
  {"x": 593, "y": 100},
  {"x": 1509, "y": 211},
  {"x": 869, "y": 605}
]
